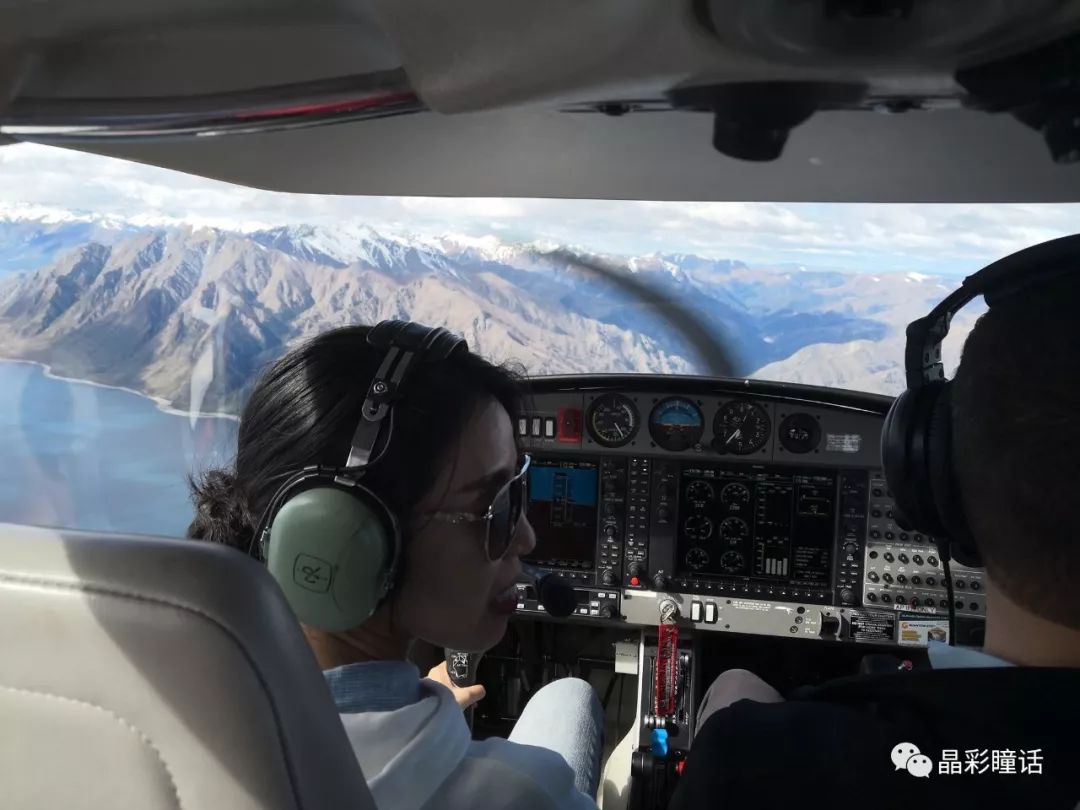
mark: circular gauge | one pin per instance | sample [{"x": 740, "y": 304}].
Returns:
[
  {"x": 740, "y": 427},
  {"x": 676, "y": 424},
  {"x": 800, "y": 433},
  {"x": 734, "y": 529},
  {"x": 735, "y": 495},
  {"x": 698, "y": 527},
  {"x": 700, "y": 492},
  {"x": 697, "y": 558},
  {"x": 731, "y": 561},
  {"x": 612, "y": 420}
]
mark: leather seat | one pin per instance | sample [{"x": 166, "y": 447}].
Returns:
[{"x": 140, "y": 673}]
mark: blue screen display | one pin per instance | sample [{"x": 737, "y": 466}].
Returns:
[{"x": 562, "y": 511}]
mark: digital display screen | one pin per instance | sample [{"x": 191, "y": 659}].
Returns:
[
  {"x": 773, "y": 525},
  {"x": 563, "y": 512}
]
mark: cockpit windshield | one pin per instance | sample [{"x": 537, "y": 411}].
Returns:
[{"x": 137, "y": 305}]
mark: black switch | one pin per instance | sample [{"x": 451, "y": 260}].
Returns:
[{"x": 830, "y": 625}]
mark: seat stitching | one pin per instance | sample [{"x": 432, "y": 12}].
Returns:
[
  {"x": 114, "y": 716},
  {"x": 109, "y": 590}
]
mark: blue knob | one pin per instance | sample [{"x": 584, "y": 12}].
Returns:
[{"x": 659, "y": 742}]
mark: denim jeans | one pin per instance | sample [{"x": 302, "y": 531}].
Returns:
[{"x": 565, "y": 716}]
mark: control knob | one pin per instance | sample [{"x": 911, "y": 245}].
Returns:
[
  {"x": 636, "y": 573},
  {"x": 847, "y": 596},
  {"x": 608, "y": 612},
  {"x": 663, "y": 513},
  {"x": 607, "y": 577},
  {"x": 660, "y": 581}
]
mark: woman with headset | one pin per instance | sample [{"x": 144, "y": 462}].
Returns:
[{"x": 427, "y": 429}]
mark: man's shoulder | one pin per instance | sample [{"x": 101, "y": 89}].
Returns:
[{"x": 838, "y": 739}]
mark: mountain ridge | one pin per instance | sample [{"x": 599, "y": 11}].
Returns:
[{"x": 191, "y": 314}]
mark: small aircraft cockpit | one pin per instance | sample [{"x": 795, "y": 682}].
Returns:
[{"x": 761, "y": 298}]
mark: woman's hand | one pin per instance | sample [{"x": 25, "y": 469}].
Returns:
[{"x": 465, "y": 696}]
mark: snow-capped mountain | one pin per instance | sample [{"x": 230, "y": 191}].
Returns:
[
  {"x": 33, "y": 237},
  {"x": 346, "y": 245},
  {"x": 191, "y": 314}
]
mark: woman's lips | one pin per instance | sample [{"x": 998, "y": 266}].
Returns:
[{"x": 505, "y": 601}]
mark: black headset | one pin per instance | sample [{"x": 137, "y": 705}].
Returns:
[
  {"x": 916, "y": 439},
  {"x": 331, "y": 543}
]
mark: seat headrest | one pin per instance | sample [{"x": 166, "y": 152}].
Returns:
[{"x": 146, "y": 673}]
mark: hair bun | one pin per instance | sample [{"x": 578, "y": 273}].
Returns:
[{"x": 221, "y": 510}]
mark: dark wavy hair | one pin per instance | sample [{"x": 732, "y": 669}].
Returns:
[{"x": 304, "y": 409}]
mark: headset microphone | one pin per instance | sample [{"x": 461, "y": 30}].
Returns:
[{"x": 552, "y": 591}]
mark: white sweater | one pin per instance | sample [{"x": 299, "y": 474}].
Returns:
[{"x": 421, "y": 755}]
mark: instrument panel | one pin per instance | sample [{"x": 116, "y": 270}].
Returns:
[{"x": 739, "y": 498}]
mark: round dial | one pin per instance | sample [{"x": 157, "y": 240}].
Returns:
[
  {"x": 731, "y": 561},
  {"x": 734, "y": 529},
  {"x": 698, "y": 527},
  {"x": 800, "y": 433},
  {"x": 740, "y": 427},
  {"x": 735, "y": 495},
  {"x": 613, "y": 420},
  {"x": 697, "y": 558},
  {"x": 700, "y": 492},
  {"x": 676, "y": 424}
]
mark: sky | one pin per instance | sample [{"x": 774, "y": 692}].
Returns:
[{"x": 949, "y": 239}]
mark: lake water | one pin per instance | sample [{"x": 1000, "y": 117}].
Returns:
[{"x": 78, "y": 455}]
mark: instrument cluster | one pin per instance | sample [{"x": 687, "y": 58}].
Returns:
[
  {"x": 754, "y": 507},
  {"x": 676, "y": 423}
]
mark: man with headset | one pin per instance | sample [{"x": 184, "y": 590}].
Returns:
[{"x": 989, "y": 463}]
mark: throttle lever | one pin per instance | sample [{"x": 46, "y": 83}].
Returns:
[{"x": 462, "y": 667}]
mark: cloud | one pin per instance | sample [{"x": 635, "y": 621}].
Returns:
[{"x": 867, "y": 237}]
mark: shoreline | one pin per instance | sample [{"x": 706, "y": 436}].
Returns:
[{"x": 162, "y": 404}]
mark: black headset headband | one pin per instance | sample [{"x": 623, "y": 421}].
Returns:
[
  {"x": 404, "y": 342},
  {"x": 996, "y": 282}
]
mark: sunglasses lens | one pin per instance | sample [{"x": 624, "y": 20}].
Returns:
[{"x": 505, "y": 515}]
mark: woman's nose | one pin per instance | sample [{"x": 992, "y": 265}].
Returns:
[{"x": 524, "y": 538}]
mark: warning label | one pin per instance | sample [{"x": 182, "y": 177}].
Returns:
[
  {"x": 872, "y": 626},
  {"x": 742, "y": 604},
  {"x": 918, "y": 631},
  {"x": 843, "y": 442}
]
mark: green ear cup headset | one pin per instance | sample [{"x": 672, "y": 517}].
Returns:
[{"x": 332, "y": 545}]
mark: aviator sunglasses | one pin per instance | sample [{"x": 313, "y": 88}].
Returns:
[{"x": 502, "y": 517}]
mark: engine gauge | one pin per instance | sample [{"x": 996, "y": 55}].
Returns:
[
  {"x": 700, "y": 492},
  {"x": 698, "y": 527},
  {"x": 734, "y": 529},
  {"x": 697, "y": 558},
  {"x": 732, "y": 562},
  {"x": 735, "y": 495},
  {"x": 676, "y": 424},
  {"x": 740, "y": 427},
  {"x": 612, "y": 420}
]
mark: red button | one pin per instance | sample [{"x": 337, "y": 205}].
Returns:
[
  {"x": 569, "y": 426},
  {"x": 679, "y": 766},
  {"x": 635, "y": 581}
]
